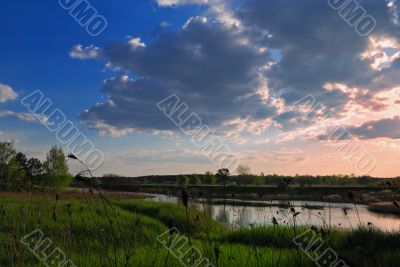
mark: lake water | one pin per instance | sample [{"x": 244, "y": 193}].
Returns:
[{"x": 339, "y": 215}]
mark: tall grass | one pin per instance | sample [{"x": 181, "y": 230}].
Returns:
[{"x": 90, "y": 237}]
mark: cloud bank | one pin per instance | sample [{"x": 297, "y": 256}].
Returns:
[{"x": 249, "y": 64}]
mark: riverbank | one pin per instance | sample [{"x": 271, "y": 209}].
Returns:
[
  {"x": 381, "y": 200},
  {"x": 392, "y": 208},
  {"x": 357, "y": 194},
  {"x": 93, "y": 231}
]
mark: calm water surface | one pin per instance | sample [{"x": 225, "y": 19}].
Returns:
[{"x": 310, "y": 213}]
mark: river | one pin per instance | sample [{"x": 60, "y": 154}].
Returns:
[{"x": 261, "y": 213}]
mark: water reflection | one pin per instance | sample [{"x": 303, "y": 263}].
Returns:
[
  {"x": 339, "y": 215},
  {"x": 223, "y": 215}
]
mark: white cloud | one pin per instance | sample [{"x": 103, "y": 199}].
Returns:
[
  {"x": 199, "y": 63},
  {"x": 230, "y": 75},
  {"x": 80, "y": 52},
  {"x": 7, "y": 93},
  {"x": 394, "y": 10},
  {"x": 219, "y": 9},
  {"x": 382, "y": 51},
  {"x": 224, "y": 14},
  {"x": 24, "y": 116},
  {"x": 181, "y": 2},
  {"x": 136, "y": 42},
  {"x": 108, "y": 130}
]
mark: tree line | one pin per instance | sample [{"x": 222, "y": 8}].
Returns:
[
  {"x": 18, "y": 172},
  {"x": 245, "y": 177}
]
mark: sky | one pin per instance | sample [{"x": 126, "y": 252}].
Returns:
[{"x": 285, "y": 87}]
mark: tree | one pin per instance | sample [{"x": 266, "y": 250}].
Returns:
[
  {"x": 112, "y": 175},
  {"x": 35, "y": 167},
  {"x": 7, "y": 152},
  {"x": 16, "y": 171},
  {"x": 258, "y": 180},
  {"x": 245, "y": 176},
  {"x": 210, "y": 178},
  {"x": 56, "y": 169},
  {"x": 22, "y": 161},
  {"x": 35, "y": 170},
  {"x": 243, "y": 170},
  {"x": 195, "y": 180},
  {"x": 182, "y": 180},
  {"x": 11, "y": 175},
  {"x": 15, "y": 175},
  {"x": 32, "y": 168},
  {"x": 223, "y": 175}
]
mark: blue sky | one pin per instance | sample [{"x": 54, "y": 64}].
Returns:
[
  {"x": 240, "y": 65},
  {"x": 35, "y": 46}
]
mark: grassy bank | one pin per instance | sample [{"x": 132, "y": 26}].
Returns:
[
  {"x": 390, "y": 208},
  {"x": 92, "y": 231}
]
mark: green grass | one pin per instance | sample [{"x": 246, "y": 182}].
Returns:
[{"x": 93, "y": 232}]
